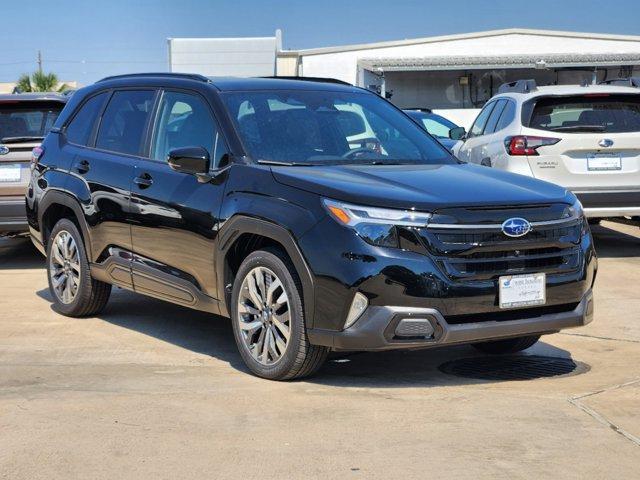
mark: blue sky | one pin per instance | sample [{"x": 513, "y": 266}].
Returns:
[{"x": 86, "y": 40}]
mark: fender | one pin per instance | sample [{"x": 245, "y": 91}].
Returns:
[
  {"x": 57, "y": 197},
  {"x": 241, "y": 224}
]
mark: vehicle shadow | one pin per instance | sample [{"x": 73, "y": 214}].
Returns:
[
  {"x": 212, "y": 335},
  {"x": 19, "y": 253},
  {"x": 613, "y": 241}
]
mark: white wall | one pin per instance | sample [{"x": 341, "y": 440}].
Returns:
[{"x": 242, "y": 57}]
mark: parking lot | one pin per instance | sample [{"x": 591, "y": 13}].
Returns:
[{"x": 152, "y": 390}]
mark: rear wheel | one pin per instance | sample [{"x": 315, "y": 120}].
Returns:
[
  {"x": 74, "y": 292},
  {"x": 509, "y": 345},
  {"x": 268, "y": 319}
]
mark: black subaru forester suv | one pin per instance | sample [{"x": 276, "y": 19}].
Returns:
[{"x": 316, "y": 215}]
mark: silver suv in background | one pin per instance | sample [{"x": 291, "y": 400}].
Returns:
[
  {"x": 25, "y": 119},
  {"x": 586, "y": 138}
]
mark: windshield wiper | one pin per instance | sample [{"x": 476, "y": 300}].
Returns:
[
  {"x": 285, "y": 164},
  {"x": 580, "y": 128},
  {"x": 21, "y": 139}
]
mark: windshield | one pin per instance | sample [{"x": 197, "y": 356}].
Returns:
[
  {"x": 587, "y": 113},
  {"x": 434, "y": 124},
  {"x": 323, "y": 127},
  {"x": 27, "y": 120}
]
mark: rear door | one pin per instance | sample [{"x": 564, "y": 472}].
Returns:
[
  {"x": 598, "y": 137},
  {"x": 107, "y": 165},
  {"x": 23, "y": 125},
  {"x": 474, "y": 148}
]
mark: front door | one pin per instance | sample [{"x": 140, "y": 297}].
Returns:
[{"x": 175, "y": 215}]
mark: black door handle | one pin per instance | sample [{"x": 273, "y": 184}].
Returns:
[
  {"x": 83, "y": 167},
  {"x": 143, "y": 181}
]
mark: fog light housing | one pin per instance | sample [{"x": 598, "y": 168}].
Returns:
[
  {"x": 414, "y": 327},
  {"x": 358, "y": 306}
]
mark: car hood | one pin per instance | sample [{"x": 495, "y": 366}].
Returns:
[{"x": 423, "y": 187}]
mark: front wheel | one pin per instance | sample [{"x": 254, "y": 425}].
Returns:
[
  {"x": 509, "y": 345},
  {"x": 268, "y": 319}
]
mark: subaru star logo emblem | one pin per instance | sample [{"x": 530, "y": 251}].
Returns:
[
  {"x": 4, "y": 150},
  {"x": 516, "y": 227},
  {"x": 605, "y": 142}
]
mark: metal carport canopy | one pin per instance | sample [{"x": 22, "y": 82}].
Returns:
[{"x": 542, "y": 61}]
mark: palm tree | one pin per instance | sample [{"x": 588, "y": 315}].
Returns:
[{"x": 39, "y": 82}]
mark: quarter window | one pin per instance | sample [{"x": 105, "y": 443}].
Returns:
[
  {"x": 490, "y": 127},
  {"x": 124, "y": 121},
  {"x": 80, "y": 128},
  {"x": 508, "y": 114},
  {"x": 185, "y": 120},
  {"x": 481, "y": 120}
]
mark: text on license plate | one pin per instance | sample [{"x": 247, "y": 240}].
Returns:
[
  {"x": 604, "y": 162},
  {"x": 522, "y": 290},
  {"x": 10, "y": 173}
]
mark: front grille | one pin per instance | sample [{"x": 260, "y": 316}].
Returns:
[{"x": 471, "y": 253}]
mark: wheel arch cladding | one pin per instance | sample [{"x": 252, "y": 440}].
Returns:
[
  {"x": 57, "y": 205},
  {"x": 242, "y": 235}
]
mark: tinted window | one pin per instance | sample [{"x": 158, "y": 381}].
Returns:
[
  {"x": 508, "y": 114},
  {"x": 29, "y": 119},
  {"x": 124, "y": 120},
  {"x": 329, "y": 126},
  {"x": 185, "y": 120},
  {"x": 588, "y": 113},
  {"x": 481, "y": 120},
  {"x": 80, "y": 129},
  {"x": 494, "y": 117}
]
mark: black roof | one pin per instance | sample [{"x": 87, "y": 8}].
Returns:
[{"x": 235, "y": 83}]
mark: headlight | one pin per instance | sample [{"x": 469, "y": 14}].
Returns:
[{"x": 376, "y": 226}]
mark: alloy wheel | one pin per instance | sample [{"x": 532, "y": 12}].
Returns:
[
  {"x": 264, "y": 315},
  {"x": 64, "y": 267}
]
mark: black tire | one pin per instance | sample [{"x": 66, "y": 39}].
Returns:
[
  {"x": 594, "y": 221},
  {"x": 509, "y": 345},
  {"x": 91, "y": 295},
  {"x": 300, "y": 358}
]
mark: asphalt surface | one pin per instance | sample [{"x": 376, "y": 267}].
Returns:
[{"x": 152, "y": 390}]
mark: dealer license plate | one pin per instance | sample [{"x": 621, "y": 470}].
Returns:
[
  {"x": 522, "y": 290},
  {"x": 10, "y": 173},
  {"x": 600, "y": 162}
]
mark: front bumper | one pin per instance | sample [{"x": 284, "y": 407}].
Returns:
[
  {"x": 13, "y": 217},
  {"x": 375, "y": 330}
]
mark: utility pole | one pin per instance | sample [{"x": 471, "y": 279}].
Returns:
[{"x": 39, "y": 61}]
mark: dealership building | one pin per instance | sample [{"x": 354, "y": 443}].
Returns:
[{"x": 445, "y": 72}]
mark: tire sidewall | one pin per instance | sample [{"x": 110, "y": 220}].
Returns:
[
  {"x": 84, "y": 280},
  {"x": 271, "y": 261}
]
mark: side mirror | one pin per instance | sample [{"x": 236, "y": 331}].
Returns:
[
  {"x": 458, "y": 133},
  {"x": 192, "y": 160}
]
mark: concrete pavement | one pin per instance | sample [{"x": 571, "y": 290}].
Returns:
[{"x": 152, "y": 390}]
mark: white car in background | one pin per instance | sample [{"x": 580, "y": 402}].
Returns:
[{"x": 586, "y": 138}]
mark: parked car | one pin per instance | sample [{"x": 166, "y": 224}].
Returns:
[
  {"x": 445, "y": 131},
  {"x": 585, "y": 138},
  {"x": 257, "y": 208},
  {"x": 24, "y": 121}
]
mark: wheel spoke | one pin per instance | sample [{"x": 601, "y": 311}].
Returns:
[
  {"x": 244, "y": 308},
  {"x": 265, "y": 346},
  {"x": 282, "y": 299},
  {"x": 250, "y": 326},
  {"x": 279, "y": 322},
  {"x": 253, "y": 292},
  {"x": 57, "y": 256},
  {"x": 275, "y": 284}
]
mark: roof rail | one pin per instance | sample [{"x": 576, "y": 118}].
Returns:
[
  {"x": 519, "y": 86},
  {"x": 312, "y": 79},
  {"x": 191, "y": 76},
  {"x": 625, "y": 82}
]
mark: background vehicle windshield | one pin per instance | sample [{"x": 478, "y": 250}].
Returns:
[
  {"x": 27, "y": 120},
  {"x": 588, "y": 113},
  {"x": 433, "y": 123},
  {"x": 329, "y": 127}
]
